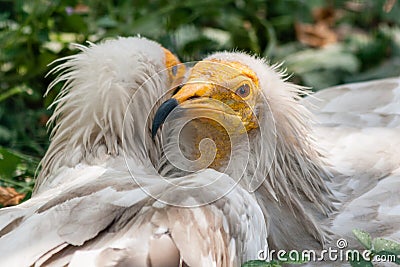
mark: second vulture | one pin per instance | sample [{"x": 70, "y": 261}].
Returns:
[{"x": 315, "y": 176}]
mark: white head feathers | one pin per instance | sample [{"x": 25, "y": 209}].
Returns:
[{"x": 94, "y": 112}]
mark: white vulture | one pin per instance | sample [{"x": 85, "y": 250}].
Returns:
[
  {"x": 99, "y": 201},
  {"x": 316, "y": 177}
]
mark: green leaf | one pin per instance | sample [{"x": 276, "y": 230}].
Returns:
[
  {"x": 388, "y": 68},
  {"x": 14, "y": 91},
  {"x": 12, "y": 163},
  {"x": 363, "y": 237},
  {"x": 17, "y": 170},
  {"x": 381, "y": 244},
  {"x": 8, "y": 163},
  {"x": 331, "y": 57},
  {"x": 320, "y": 68},
  {"x": 74, "y": 23},
  {"x": 5, "y": 134},
  {"x": 387, "y": 249},
  {"x": 107, "y": 22},
  {"x": 321, "y": 79}
]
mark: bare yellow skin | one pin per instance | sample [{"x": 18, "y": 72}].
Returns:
[
  {"x": 213, "y": 94},
  {"x": 176, "y": 70}
]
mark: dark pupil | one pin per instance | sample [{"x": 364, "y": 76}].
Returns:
[
  {"x": 174, "y": 70},
  {"x": 243, "y": 90}
]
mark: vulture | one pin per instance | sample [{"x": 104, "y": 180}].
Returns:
[
  {"x": 152, "y": 163},
  {"x": 319, "y": 166},
  {"x": 99, "y": 201}
]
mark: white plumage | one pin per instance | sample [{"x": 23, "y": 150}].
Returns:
[
  {"x": 100, "y": 202},
  {"x": 359, "y": 128},
  {"x": 319, "y": 179},
  {"x": 88, "y": 209},
  {"x": 94, "y": 114}
]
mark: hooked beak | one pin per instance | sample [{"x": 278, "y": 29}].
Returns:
[
  {"x": 206, "y": 95},
  {"x": 206, "y": 100},
  {"x": 188, "y": 91},
  {"x": 162, "y": 113}
]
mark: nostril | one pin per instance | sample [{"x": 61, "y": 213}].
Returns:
[
  {"x": 177, "y": 89},
  {"x": 193, "y": 97}
]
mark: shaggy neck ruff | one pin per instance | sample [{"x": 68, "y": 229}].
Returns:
[
  {"x": 286, "y": 168},
  {"x": 95, "y": 116},
  {"x": 282, "y": 164}
]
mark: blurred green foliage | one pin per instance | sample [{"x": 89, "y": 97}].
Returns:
[{"x": 34, "y": 33}]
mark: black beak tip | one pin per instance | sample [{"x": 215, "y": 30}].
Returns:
[{"x": 162, "y": 113}]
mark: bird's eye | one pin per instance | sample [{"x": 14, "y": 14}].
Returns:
[
  {"x": 243, "y": 90},
  {"x": 174, "y": 70}
]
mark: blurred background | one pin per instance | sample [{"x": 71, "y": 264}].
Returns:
[{"x": 322, "y": 43}]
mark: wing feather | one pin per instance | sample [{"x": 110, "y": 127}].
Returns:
[
  {"x": 100, "y": 223},
  {"x": 358, "y": 125}
]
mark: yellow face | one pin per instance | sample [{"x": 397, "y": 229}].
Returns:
[
  {"x": 230, "y": 89},
  {"x": 176, "y": 70},
  {"x": 218, "y": 101}
]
